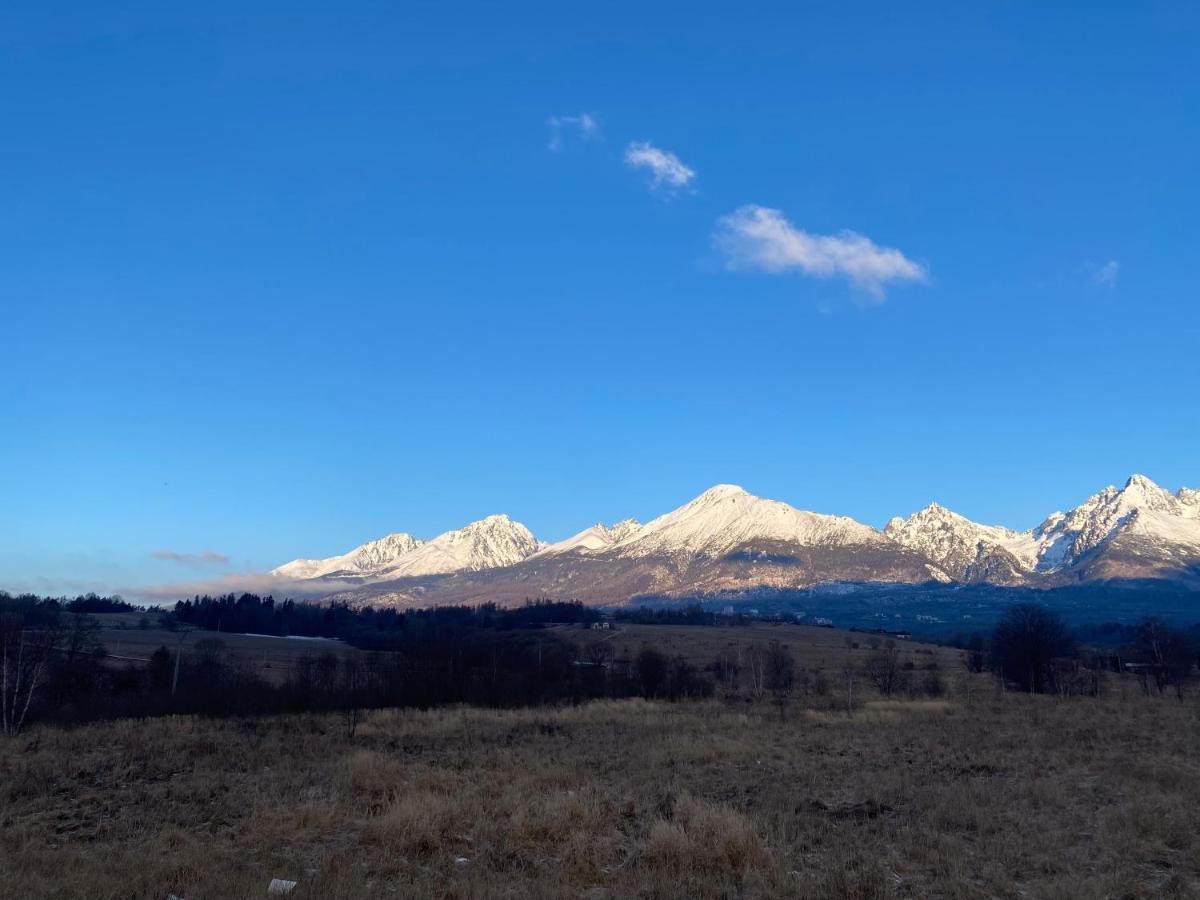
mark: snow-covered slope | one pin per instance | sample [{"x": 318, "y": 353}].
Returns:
[
  {"x": 487, "y": 544},
  {"x": 598, "y": 537},
  {"x": 1141, "y": 519},
  {"x": 726, "y": 517},
  {"x": 362, "y": 561}
]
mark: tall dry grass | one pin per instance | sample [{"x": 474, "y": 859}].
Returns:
[{"x": 979, "y": 795}]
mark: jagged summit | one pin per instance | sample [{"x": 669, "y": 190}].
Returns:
[
  {"x": 488, "y": 543},
  {"x": 1141, "y": 512},
  {"x": 964, "y": 550},
  {"x": 362, "y": 560},
  {"x": 597, "y": 537}
]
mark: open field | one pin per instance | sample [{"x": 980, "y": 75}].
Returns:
[
  {"x": 812, "y": 647},
  {"x": 125, "y": 640},
  {"x": 977, "y": 795}
]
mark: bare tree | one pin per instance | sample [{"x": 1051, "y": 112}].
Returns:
[
  {"x": 1169, "y": 652},
  {"x": 599, "y": 653},
  {"x": 883, "y": 670},
  {"x": 780, "y": 675},
  {"x": 26, "y": 643},
  {"x": 325, "y": 676},
  {"x": 756, "y": 668},
  {"x": 652, "y": 670},
  {"x": 848, "y": 672},
  {"x": 727, "y": 667},
  {"x": 353, "y": 690},
  {"x": 974, "y": 658},
  {"x": 1027, "y": 640}
]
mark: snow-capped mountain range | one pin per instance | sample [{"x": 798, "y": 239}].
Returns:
[
  {"x": 1139, "y": 530},
  {"x": 728, "y": 539},
  {"x": 490, "y": 543}
]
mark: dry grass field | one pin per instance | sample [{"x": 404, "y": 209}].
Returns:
[
  {"x": 976, "y": 795},
  {"x": 813, "y": 648},
  {"x": 125, "y": 640}
]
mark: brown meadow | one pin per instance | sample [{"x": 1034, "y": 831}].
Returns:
[{"x": 979, "y": 794}]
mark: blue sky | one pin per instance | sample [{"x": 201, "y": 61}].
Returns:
[{"x": 280, "y": 278}]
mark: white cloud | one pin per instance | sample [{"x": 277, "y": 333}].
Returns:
[
  {"x": 1106, "y": 275},
  {"x": 584, "y": 124},
  {"x": 755, "y": 237},
  {"x": 667, "y": 168}
]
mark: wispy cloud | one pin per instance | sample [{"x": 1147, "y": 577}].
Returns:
[
  {"x": 232, "y": 583},
  {"x": 665, "y": 168},
  {"x": 755, "y": 237},
  {"x": 204, "y": 557},
  {"x": 584, "y": 124},
  {"x": 1106, "y": 275}
]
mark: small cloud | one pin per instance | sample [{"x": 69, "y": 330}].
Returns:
[
  {"x": 666, "y": 168},
  {"x": 1106, "y": 275},
  {"x": 584, "y": 124},
  {"x": 755, "y": 237},
  {"x": 204, "y": 557}
]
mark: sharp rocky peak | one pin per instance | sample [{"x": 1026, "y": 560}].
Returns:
[{"x": 1140, "y": 482}]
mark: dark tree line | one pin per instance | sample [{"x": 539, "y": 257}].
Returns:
[
  {"x": 1031, "y": 649},
  {"x": 691, "y": 614},
  {"x": 53, "y": 668},
  {"x": 54, "y": 664},
  {"x": 369, "y": 628}
]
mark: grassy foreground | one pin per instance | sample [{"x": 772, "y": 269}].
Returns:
[{"x": 974, "y": 796}]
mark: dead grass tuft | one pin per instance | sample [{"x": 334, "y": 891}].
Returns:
[
  {"x": 417, "y": 824},
  {"x": 704, "y": 837}
]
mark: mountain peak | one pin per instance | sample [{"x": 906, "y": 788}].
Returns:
[
  {"x": 498, "y": 520},
  {"x": 963, "y": 549},
  {"x": 726, "y": 516},
  {"x": 362, "y": 560},
  {"x": 936, "y": 509},
  {"x": 598, "y": 537},
  {"x": 492, "y": 542},
  {"x": 1140, "y": 511},
  {"x": 723, "y": 491},
  {"x": 1141, "y": 482}
]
